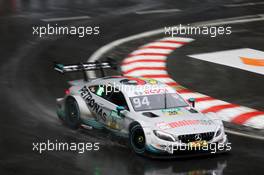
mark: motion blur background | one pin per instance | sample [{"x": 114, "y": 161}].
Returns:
[{"x": 29, "y": 86}]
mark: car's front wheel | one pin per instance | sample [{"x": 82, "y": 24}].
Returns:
[
  {"x": 72, "y": 113},
  {"x": 137, "y": 139}
]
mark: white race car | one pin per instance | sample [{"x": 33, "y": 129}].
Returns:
[{"x": 151, "y": 115}]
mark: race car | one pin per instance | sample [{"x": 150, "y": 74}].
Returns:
[{"x": 151, "y": 115}]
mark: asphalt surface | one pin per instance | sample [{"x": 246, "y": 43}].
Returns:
[
  {"x": 225, "y": 83},
  {"x": 29, "y": 86}
]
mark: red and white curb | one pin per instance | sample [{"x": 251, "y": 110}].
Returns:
[{"x": 150, "y": 61}]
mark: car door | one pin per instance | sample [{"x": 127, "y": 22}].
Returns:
[
  {"x": 106, "y": 98},
  {"x": 99, "y": 105},
  {"x": 116, "y": 121}
]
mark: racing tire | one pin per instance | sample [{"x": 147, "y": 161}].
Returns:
[
  {"x": 72, "y": 113},
  {"x": 137, "y": 139}
]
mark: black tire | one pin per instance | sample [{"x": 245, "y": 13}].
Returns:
[
  {"x": 137, "y": 139},
  {"x": 72, "y": 113}
]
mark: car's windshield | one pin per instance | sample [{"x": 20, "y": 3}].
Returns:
[{"x": 157, "y": 101}]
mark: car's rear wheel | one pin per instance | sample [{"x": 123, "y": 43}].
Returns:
[
  {"x": 72, "y": 113},
  {"x": 137, "y": 139}
]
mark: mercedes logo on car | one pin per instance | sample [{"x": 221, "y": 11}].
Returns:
[{"x": 198, "y": 137}]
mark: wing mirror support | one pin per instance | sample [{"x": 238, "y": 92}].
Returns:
[
  {"x": 119, "y": 109},
  {"x": 192, "y": 101}
]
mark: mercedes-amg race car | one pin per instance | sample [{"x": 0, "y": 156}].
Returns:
[{"x": 151, "y": 115}]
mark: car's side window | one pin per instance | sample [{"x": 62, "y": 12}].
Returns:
[
  {"x": 118, "y": 99},
  {"x": 93, "y": 89},
  {"x": 101, "y": 91}
]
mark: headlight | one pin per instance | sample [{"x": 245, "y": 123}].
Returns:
[
  {"x": 219, "y": 131},
  {"x": 164, "y": 136}
]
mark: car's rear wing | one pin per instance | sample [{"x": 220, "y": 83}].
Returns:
[{"x": 89, "y": 66}]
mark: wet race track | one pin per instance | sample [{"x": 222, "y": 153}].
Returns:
[{"x": 29, "y": 86}]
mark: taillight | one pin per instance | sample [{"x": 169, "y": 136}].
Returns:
[{"x": 67, "y": 91}]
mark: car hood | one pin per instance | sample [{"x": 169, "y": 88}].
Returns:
[{"x": 179, "y": 121}]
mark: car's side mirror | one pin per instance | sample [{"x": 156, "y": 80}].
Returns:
[
  {"x": 119, "y": 109},
  {"x": 192, "y": 101}
]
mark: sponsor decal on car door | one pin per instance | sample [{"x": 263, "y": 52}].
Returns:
[{"x": 93, "y": 103}]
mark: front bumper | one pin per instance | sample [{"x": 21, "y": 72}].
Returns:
[{"x": 156, "y": 145}]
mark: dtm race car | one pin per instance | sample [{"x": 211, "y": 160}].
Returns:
[{"x": 150, "y": 114}]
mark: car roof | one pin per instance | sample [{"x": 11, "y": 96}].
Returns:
[{"x": 134, "y": 86}]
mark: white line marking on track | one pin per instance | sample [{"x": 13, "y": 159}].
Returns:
[
  {"x": 244, "y": 4},
  {"x": 159, "y": 51},
  {"x": 165, "y": 80},
  {"x": 257, "y": 122},
  {"x": 177, "y": 39},
  {"x": 240, "y": 31},
  {"x": 162, "y": 51},
  {"x": 157, "y": 11},
  {"x": 142, "y": 64},
  {"x": 234, "y": 58},
  {"x": 66, "y": 18},
  {"x": 229, "y": 114},
  {"x": 172, "y": 45},
  {"x": 203, "y": 105},
  {"x": 192, "y": 95},
  {"x": 144, "y": 72},
  {"x": 244, "y": 134},
  {"x": 233, "y": 20},
  {"x": 145, "y": 57}
]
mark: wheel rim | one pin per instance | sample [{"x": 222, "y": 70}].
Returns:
[
  {"x": 138, "y": 139},
  {"x": 73, "y": 112}
]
